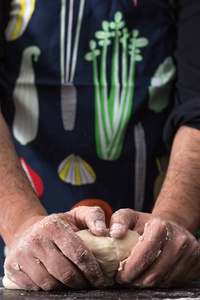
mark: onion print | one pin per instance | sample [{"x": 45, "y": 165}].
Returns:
[
  {"x": 25, "y": 97},
  {"x": 20, "y": 15},
  {"x": 161, "y": 85},
  {"x": 140, "y": 166},
  {"x": 113, "y": 105},
  {"x": 68, "y": 59},
  {"x": 76, "y": 171}
]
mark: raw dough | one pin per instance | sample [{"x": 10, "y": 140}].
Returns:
[
  {"x": 110, "y": 253},
  {"x": 8, "y": 284}
]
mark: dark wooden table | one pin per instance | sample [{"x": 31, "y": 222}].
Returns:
[{"x": 190, "y": 292}]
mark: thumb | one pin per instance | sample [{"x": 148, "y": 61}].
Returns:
[
  {"x": 91, "y": 217},
  {"x": 121, "y": 221}
]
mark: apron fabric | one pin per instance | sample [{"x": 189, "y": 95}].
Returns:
[{"x": 90, "y": 93}]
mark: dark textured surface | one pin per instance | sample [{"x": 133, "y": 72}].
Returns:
[{"x": 190, "y": 292}]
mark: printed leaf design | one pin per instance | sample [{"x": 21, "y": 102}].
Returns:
[
  {"x": 161, "y": 85},
  {"x": 113, "y": 104},
  {"x": 25, "y": 97},
  {"x": 20, "y": 16}
]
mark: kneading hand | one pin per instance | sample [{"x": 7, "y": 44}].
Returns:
[
  {"x": 166, "y": 255},
  {"x": 49, "y": 255}
]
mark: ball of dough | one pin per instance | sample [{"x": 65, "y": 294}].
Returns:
[{"x": 111, "y": 253}]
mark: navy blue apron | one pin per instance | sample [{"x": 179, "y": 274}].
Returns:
[{"x": 90, "y": 92}]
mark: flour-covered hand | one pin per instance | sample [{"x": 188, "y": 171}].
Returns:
[
  {"x": 166, "y": 255},
  {"x": 49, "y": 255}
]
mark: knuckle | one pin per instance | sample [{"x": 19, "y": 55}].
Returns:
[
  {"x": 97, "y": 208},
  {"x": 121, "y": 215},
  {"x": 52, "y": 223},
  {"x": 12, "y": 261},
  {"x": 67, "y": 276},
  {"x": 82, "y": 256},
  {"x": 164, "y": 229},
  {"x": 182, "y": 242},
  {"x": 163, "y": 224},
  {"x": 36, "y": 240},
  {"x": 48, "y": 286},
  {"x": 97, "y": 211},
  {"x": 196, "y": 251},
  {"x": 126, "y": 211},
  {"x": 88, "y": 210}
]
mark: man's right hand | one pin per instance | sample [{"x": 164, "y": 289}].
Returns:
[{"x": 49, "y": 255}]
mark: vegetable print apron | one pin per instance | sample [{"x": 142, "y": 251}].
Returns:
[{"x": 90, "y": 86}]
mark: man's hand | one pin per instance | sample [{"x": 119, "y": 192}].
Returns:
[
  {"x": 49, "y": 255},
  {"x": 166, "y": 255}
]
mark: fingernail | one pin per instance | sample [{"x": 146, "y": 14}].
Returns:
[
  {"x": 116, "y": 228},
  {"x": 100, "y": 225}
]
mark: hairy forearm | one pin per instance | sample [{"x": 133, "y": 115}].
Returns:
[
  {"x": 18, "y": 201},
  {"x": 179, "y": 199}
]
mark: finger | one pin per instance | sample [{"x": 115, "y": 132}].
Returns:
[
  {"x": 62, "y": 269},
  {"x": 121, "y": 221},
  {"x": 50, "y": 270},
  {"x": 90, "y": 217},
  {"x": 13, "y": 271},
  {"x": 74, "y": 249},
  {"x": 186, "y": 269},
  {"x": 29, "y": 270},
  {"x": 161, "y": 268},
  {"x": 154, "y": 238},
  {"x": 171, "y": 281},
  {"x": 36, "y": 271},
  {"x": 49, "y": 277}
]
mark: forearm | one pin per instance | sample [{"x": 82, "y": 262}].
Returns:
[
  {"x": 18, "y": 201},
  {"x": 179, "y": 199}
]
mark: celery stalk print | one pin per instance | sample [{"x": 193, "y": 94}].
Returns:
[
  {"x": 20, "y": 15},
  {"x": 113, "y": 105},
  {"x": 25, "y": 97},
  {"x": 68, "y": 62}
]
